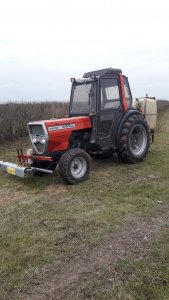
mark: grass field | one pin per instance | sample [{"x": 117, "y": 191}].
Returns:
[{"x": 107, "y": 238}]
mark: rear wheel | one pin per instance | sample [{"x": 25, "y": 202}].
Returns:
[
  {"x": 74, "y": 166},
  {"x": 134, "y": 139}
]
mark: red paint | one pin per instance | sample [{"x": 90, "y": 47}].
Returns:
[
  {"x": 24, "y": 156},
  {"x": 124, "y": 102},
  {"x": 42, "y": 158},
  {"x": 59, "y": 139}
]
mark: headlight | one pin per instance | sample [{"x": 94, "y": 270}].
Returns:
[
  {"x": 43, "y": 141},
  {"x": 38, "y": 139}
]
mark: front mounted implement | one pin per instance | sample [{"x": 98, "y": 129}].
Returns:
[{"x": 24, "y": 167}]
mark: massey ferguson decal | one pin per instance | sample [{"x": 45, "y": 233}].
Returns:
[{"x": 61, "y": 127}]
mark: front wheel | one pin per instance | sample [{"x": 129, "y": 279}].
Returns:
[
  {"x": 134, "y": 139},
  {"x": 74, "y": 166}
]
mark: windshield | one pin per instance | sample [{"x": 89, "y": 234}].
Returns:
[{"x": 81, "y": 95}]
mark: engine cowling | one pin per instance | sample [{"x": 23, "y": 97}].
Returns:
[{"x": 53, "y": 135}]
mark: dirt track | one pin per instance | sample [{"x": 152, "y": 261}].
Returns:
[{"x": 127, "y": 241}]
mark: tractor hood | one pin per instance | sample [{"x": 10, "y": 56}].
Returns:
[
  {"x": 53, "y": 135},
  {"x": 75, "y": 123}
]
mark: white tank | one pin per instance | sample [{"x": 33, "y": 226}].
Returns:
[{"x": 148, "y": 107}]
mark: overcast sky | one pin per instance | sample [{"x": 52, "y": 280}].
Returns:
[{"x": 45, "y": 42}]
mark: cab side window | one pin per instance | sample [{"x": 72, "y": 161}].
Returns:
[{"x": 110, "y": 95}]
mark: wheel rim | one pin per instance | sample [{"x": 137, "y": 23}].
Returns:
[
  {"x": 78, "y": 167},
  {"x": 138, "y": 140}
]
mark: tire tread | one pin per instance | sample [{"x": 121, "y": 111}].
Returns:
[{"x": 124, "y": 152}]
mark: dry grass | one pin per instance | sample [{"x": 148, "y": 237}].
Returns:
[
  {"x": 162, "y": 104},
  {"x": 14, "y": 117}
]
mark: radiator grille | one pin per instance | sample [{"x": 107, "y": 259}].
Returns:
[{"x": 39, "y": 137}]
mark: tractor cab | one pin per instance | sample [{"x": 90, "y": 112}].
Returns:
[
  {"x": 105, "y": 96},
  {"x": 98, "y": 91}
]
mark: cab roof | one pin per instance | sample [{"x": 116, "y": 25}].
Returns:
[{"x": 102, "y": 72}]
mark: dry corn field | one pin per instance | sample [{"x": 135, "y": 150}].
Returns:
[{"x": 15, "y": 116}]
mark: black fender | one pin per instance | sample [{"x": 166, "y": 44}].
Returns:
[{"x": 128, "y": 113}]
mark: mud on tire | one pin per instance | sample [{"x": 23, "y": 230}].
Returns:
[
  {"x": 134, "y": 139},
  {"x": 74, "y": 166}
]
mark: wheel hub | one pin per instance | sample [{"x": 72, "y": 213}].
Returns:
[
  {"x": 78, "y": 167},
  {"x": 138, "y": 140}
]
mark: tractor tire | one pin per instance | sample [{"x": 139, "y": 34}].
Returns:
[
  {"x": 134, "y": 139},
  {"x": 74, "y": 166}
]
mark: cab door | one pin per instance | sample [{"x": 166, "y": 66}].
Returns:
[{"x": 110, "y": 110}]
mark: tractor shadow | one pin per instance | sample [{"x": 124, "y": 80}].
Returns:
[{"x": 104, "y": 162}]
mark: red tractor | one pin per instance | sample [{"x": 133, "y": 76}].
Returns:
[{"x": 101, "y": 121}]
